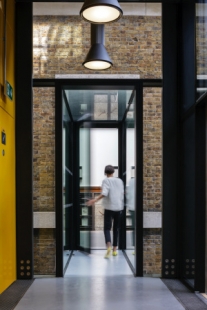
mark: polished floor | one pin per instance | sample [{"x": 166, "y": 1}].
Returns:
[
  {"x": 97, "y": 240},
  {"x": 92, "y": 282}
]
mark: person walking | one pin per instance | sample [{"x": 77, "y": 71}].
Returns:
[{"x": 113, "y": 202}]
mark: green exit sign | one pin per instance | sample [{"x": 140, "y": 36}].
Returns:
[{"x": 9, "y": 90}]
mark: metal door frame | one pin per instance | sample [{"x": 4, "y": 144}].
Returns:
[{"x": 98, "y": 84}]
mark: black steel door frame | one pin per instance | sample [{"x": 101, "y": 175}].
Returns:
[
  {"x": 69, "y": 236},
  {"x": 200, "y": 111},
  {"x": 138, "y": 86}
]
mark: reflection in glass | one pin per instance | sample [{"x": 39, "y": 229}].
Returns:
[
  {"x": 201, "y": 48},
  {"x": 100, "y": 107},
  {"x": 130, "y": 184},
  {"x": 89, "y": 104},
  {"x": 114, "y": 106},
  {"x": 84, "y": 223},
  {"x": 85, "y": 211},
  {"x": 85, "y": 192},
  {"x": 66, "y": 183}
]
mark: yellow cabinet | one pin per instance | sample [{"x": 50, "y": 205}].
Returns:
[{"x": 7, "y": 201}]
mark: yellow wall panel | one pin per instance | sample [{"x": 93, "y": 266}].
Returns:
[
  {"x": 1, "y": 45},
  {"x": 5, "y": 102},
  {"x": 7, "y": 202},
  {"x": 7, "y": 154},
  {"x": 8, "y": 104},
  {"x": 10, "y": 14}
]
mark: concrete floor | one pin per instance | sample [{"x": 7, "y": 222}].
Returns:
[{"x": 92, "y": 282}]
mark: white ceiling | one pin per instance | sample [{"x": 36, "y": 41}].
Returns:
[{"x": 133, "y": 9}]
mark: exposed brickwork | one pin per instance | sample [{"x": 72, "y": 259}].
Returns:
[
  {"x": 44, "y": 176},
  {"x": 44, "y": 149},
  {"x": 152, "y": 145},
  {"x": 152, "y": 174},
  {"x": 44, "y": 251},
  {"x": 61, "y": 44},
  {"x": 152, "y": 252},
  {"x": 201, "y": 45}
]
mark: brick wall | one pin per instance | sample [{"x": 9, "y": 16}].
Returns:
[
  {"x": 201, "y": 45},
  {"x": 44, "y": 251},
  {"x": 152, "y": 176},
  {"x": 44, "y": 175},
  {"x": 44, "y": 149},
  {"x": 152, "y": 255},
  {"x": 152, "y": 149},
  {"x": 60, "y": 46}
]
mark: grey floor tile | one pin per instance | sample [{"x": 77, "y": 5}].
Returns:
[
  {"x": 95, "y": 283},
  {"x": 95, "y": 264}
]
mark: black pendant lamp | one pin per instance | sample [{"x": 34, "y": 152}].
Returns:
[
  {"x": 101, "y": 11},
  {"x": 97, "y": 57}
]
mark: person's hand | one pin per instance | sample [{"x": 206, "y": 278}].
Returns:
[{"x": 90, "y": 202}]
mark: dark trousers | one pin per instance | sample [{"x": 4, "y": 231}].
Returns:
[
  {"x": 109, "y": 217},
  {"x": 133, "y": 226}
]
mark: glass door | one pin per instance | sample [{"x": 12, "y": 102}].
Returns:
[
  {"x": 85, "y": 212},
  {"x": 103, "y": 107},
  {"x": 67, "y": 182},
  {"x": 130, "y": 179}
]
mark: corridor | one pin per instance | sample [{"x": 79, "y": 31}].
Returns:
[{"x": 92, "y": 282}]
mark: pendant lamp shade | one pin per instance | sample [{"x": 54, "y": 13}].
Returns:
[
  {"x": 101, "y": 11},
  {"x": 97, "y": 57}
]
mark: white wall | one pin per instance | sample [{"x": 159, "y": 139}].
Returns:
[{"x": 104, "y": 151}]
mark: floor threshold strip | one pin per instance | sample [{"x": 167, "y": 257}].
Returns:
[
  {"x": 12, "y": 295},
  {"x": 185, "y": 296}
]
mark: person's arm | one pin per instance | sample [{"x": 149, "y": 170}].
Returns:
[{"x": 92, "y": 201}]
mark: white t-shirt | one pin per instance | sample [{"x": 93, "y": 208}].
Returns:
[{"x": 113, "y": 190}]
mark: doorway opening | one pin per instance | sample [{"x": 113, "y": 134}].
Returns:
[
  {"x": 103, "y": 150},
  {"x": 147, "y": 129},
  {"x": 98, "y": 128}
]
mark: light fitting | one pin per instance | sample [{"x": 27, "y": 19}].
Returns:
[
  {"x": 97, "y": 57},
  {"x": 101, "y": 11}
]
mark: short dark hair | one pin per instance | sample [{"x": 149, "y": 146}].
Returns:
[{"x": 109, "y": 169}]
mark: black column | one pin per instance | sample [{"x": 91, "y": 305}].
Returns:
[
  {"x": 122, "y": 175},
  {"x": 187, "y": 204},
  {"x": 24, "y": 154},
  {"x": 170, "y": 139},
  {"x": 58, "y": 180},
  {"x": 139, "y": 179},
  {"x": 200, "y": 197},
  {"x": 122, "y": 160}
]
